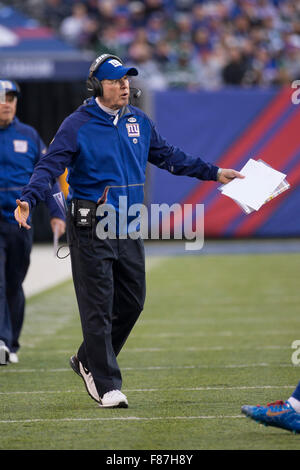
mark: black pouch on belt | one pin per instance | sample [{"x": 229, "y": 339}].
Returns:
[{"x": 83, "y": 212}]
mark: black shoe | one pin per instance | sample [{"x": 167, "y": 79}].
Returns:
[
  {"x": 87, "y": 377},
  {"x": 4, "y": 354}
]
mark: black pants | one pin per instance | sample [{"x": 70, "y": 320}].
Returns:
[
  {"x": 15, "y": 248},
  {"x": 109, "y": 280}
]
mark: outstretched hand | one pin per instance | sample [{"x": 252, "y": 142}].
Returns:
[
  {"x": 22, "y": 213},
  {"x": 227, "y": 175}
]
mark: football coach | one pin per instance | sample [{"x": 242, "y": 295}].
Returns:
[
  {"x": 106, "y": 157},
  {"x": 20, "y": 149}
]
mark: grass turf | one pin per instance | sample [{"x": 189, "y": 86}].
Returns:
[{"x": 216, "y": 333}]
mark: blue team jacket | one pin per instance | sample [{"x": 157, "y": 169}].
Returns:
[
  {"x": 106, "y": 161},
  {"x": 20, "y": 150}
]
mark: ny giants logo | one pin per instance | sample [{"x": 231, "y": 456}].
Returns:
[{"x": 133, "y": 129}]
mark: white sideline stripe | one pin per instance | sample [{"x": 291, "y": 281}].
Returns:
[
  {"x": 206, "y": 348},
  {"x": 42, "y": 260},
  {"x": 120, "y": 418},
  {"x": 209, "y": 334},
  {"x": 179, "y": 389},
  {"x": 202, "y": 366},
  {"x": 191, "y": 348},
  {"x": 226, "y": 334}
]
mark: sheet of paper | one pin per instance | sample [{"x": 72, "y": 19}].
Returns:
[
  {"x": 55, "y": 241},
  {"x": 258, "y": 185},
  {"x": 245, "y": 208},
  {"x": 61, "y": 202}
]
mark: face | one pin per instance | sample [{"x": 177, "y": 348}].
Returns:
[
  {"x": 8, "y": 109},
  {"x": 115, "y": 93}
]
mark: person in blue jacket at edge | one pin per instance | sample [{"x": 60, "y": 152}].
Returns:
[
  {"x": 106, "y": 144},
  {"x": 20, "y": 150}
]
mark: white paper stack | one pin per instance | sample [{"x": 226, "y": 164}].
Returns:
[{"x": 261, "y": 184}]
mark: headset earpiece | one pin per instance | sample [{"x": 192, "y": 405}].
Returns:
[{"x": 94, "y": 86}]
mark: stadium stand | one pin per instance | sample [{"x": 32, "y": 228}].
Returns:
[{"x": 187, "y": 43}]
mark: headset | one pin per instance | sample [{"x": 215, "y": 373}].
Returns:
[
  {"x": 94, "y": 86},
  {"x": 16, "y": 88}
]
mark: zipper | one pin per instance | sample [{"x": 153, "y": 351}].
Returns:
[{"x": 123, "y": 158}]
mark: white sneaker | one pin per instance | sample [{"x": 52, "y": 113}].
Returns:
[
  {"x": 13, "y": 358},
  {"x": 4, "y": 354},
  {"x": 114, "y": 399}
]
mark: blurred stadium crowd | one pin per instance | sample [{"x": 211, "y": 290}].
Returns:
[{"x": 184, "y": 43}]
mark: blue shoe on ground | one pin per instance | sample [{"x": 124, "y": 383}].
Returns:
[{"x": 279, "y": 414}]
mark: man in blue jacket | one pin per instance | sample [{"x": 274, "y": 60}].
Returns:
[
  {"x": 20, "y": 150},
  {"x": 106, "y": 144}
]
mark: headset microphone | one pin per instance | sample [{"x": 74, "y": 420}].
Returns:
[{"x": 136, "y": 92}]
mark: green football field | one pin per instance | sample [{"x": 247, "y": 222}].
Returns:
[{"x": 216, "y": 333}]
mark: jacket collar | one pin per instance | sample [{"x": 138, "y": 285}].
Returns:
[
  {"x": 14, "y": 121},
  {"x": 93, "y": 108}
]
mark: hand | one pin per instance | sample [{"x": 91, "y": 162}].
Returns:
[
  {"x": 22, "y": 213},
  {"x": 58, "y": 226},
  {"x": 227, "y": 175}
]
